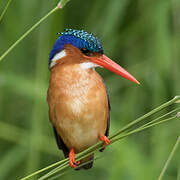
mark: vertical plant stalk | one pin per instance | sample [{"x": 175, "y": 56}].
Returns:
[
  {"x": 5, "y": 9},
  {"x": 169, "y": 158},
  {"x": 60, "y": 5}
]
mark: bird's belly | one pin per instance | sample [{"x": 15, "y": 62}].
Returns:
[
  {"x": 78, "y": 106},
  {"x": 82, "y": 123},
  {"x": 78, "y": 136}
]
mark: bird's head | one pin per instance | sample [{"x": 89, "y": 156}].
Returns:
[{"x": 78, "y": 46}]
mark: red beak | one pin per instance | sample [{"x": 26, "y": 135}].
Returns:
[{"x": 107, "y": 63}]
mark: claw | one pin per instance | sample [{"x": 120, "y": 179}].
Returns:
[
  {"x": 105, "y": 139},
  {"x": 72, "y": 161}
]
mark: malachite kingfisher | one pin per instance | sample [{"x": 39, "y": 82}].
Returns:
[{"x": 79, "y": 107}]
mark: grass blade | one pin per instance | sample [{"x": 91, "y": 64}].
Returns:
[
  {"x": 169, "y": 158},
  {"x": 65, "y": 167},
  {"x": 64, "y": 164},
  {"x": 61, "y": 4},
  {"x": 172, "y": 101},
  {"x": 5, "y": 9}
]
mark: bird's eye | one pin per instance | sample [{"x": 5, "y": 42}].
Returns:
[{"x": 86, "y": 52}]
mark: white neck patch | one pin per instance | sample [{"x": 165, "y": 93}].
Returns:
[
  {"x": 57, "y": 57},
  {"x": 88, "y": 65},
  {"x": 84, "y": 65}
]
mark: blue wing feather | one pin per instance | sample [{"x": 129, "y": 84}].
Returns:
[{"x": 109, "y": 108}]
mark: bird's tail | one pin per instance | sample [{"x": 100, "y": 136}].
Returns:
[{"x": 86, "y": 165}]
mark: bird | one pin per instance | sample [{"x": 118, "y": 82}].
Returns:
[{"x": 78, "y": 100}]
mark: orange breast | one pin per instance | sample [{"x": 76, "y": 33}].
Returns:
[{"x": 78, "y": 105}]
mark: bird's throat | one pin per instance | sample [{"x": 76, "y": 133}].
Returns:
[{"x": 88, "y": 65}]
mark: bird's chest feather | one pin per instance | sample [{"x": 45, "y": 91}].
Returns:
[{"x": 78, "y": 105}]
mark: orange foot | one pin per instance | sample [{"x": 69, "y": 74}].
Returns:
[
  {"x": 72, "y": 161},
  {"x": 105, "y": 139}
]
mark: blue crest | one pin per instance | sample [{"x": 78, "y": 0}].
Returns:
[{"x": 78, "y": 38}]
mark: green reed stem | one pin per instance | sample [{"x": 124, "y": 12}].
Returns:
[
  {"x": 64, "y": 164},
  {"x": 58, "y": 174},
  {"x": 5, "y": 9},
  {"x": 172, "y": 101},
  {"x": 60, "y": 5},
  {"x": 157, "y": 119},
  {"x": 169, "y": 158},
  {"x": 142, "y": 128},
  {"x": 46, "y": 168}
]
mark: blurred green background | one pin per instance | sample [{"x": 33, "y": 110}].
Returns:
[{"x": 142, "y": 36}]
